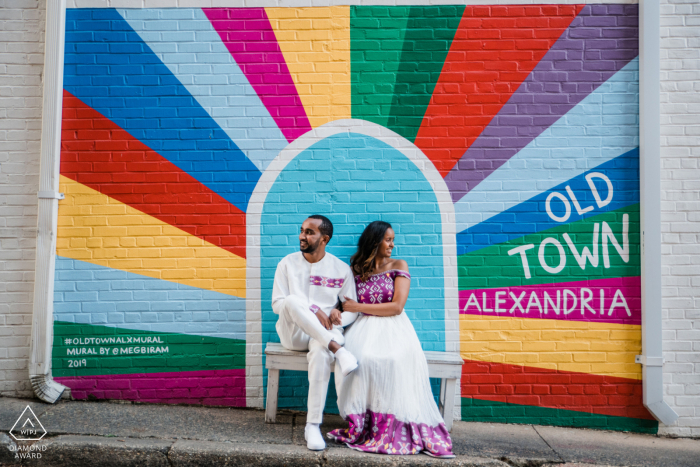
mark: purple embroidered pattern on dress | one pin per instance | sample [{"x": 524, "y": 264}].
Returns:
[
  {"x": 379, "y": 288},
  {"x": 326, "y": 282},
  {"x": 383, "y": 434},
  {"x": 314, "y": 308}
]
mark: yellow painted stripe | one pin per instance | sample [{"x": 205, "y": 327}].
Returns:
[
  {"x": 582, "y": 347},
  {"x": 315, "y": 42},
  {"x": 95, "y": 228}
]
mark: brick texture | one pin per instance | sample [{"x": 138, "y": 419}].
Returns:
[
  {"x": 680, "y": 216},
  {"x": 21, "y": 66}
]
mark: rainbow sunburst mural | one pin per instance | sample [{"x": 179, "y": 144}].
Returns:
[{"x": 529, "y": 113}]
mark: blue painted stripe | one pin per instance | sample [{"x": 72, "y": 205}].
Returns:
[
  {"x": 90, "y": 294},
  {"x": 112, "y": 70},
  {"x": 601, "y": 127},
  {"x": 531, "y": 216},
  {"x": 195, "y": 55}
]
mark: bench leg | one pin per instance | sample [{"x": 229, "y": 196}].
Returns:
[
  {"x": 448, "y": 407},
  {"x": 441, "y": 399},
  {"x": 273, "y": 384}
]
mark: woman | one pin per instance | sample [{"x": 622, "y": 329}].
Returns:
[{"x": 387, "y": 400}]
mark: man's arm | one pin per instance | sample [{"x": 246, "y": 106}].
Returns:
[{"x": 280, "y": 287}]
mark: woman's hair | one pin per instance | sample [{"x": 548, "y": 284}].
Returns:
[{"x": 362, "y": 262}]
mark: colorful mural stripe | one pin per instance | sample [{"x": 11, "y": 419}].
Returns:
[
  {"x": 87, "y": 293},
  {"x": 207, "y": 387},
  {"x": 603, "y": 126},
  {"x": 315, "y": 43},
  {"x": 110, "y": 350},
  {"x": 98, "y": 229},
  {"x": 195, "y": 55},
  {"x": 607, "y": 187},
  {"x": 249, "y": 38},
  {"x": 605, "y": 301},
  {"x": 110, "y": 69},
  {"x": 494, "y": 49},
  {"x": 500, "y": 412},
  {"x": 98, "y": 154},
  {"x": 581, "y": 347},
  {"x": 602, "y": 246},
  {"x": 581, "y": 392},
  {"x": 574, "y": 67}
]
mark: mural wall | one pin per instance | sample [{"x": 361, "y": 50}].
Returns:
[{"x": 529, "y": 114}]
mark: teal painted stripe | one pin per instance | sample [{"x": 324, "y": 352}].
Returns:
[{"x": 476, "y": 410}]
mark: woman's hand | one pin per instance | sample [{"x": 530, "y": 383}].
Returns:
[
  {"x": 349, "y": 304},
  {"x": 335, "y": 317}
]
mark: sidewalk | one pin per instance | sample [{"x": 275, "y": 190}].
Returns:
[{"x": 124, "y": 434}]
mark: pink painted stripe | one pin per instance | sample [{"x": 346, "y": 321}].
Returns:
[
  {"x": 207, "y": 387},
  {"x": 601, "y": 300},
  {"x": 249, "y": 38}
]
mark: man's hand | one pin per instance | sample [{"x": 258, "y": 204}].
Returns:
[
  {"x": 335, "y": 317},
  {"x": 325, "y": 321}
]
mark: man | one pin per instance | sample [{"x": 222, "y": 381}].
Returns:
[{"x": 307, "y": 287}]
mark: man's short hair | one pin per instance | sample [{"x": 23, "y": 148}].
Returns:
[{"x": 326, "y": 226}]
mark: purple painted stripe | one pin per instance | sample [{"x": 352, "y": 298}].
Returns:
[
  {"x": 249, "y": 38},
  {"x": 600, "y": 41},
  {"x": 207, "y": 387},
  {"x": 615, "y": 301}
]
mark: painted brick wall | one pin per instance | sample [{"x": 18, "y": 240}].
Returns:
[
  {"x": 20, "y": 91},
  {"x": 680, "y": 221},
  {"x": 21, "y": 64}
]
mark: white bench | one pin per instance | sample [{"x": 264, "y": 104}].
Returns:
[{"x": 444, "y": 365}]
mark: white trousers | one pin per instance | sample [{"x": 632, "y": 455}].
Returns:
[{"x": 299, "y": 329}]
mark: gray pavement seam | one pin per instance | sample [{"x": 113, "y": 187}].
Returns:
[{"x": 549, "y": 445}]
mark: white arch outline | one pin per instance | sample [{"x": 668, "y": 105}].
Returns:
[{"x": 254, "y": 344}]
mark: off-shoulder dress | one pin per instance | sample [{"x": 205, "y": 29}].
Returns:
[{"x": 387, "y": 401}]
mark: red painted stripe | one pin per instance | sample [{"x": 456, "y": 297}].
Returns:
[
  {"x": 207, "y": 387},
  {"x": 98, "y": 153},
  {"x": 582, "y": 392},
  {"x": 494, "y": 50}
]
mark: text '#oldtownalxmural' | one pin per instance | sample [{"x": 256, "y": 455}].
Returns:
[{"x": 526, "y": 119}]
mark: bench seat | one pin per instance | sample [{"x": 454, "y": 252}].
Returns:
[{"x": 447, "y": 366}]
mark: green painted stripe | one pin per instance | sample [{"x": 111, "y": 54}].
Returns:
[
  {"x": 477, "y": 410},
  {"x": 428, "y": 37},
  {"x": 184, "y": 352},
  {"x": 492, "y": 267},
  {"x": 376, "y": 43}
]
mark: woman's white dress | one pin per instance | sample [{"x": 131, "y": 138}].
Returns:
[{"x": 388, "y": 401}]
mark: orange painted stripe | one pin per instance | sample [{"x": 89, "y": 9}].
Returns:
[
  {"x": 576, "y": 346},
  {"x": 95, "y": 228}
]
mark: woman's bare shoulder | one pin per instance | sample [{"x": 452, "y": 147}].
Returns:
[{"x": 400, "y": 264}]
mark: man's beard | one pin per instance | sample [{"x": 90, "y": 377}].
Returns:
[{"x": 310, "y": 247}]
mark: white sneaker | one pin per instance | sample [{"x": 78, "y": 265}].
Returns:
[
  {"x": 346, "y": 361},
  {"x": 314, "y": 438}
]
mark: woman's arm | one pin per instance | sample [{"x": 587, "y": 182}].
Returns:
[{"x": 402, "y": 285}]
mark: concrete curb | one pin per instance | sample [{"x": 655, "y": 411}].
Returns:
[{"x": 88, "y": 451}]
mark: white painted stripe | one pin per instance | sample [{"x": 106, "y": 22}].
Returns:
[
  {"x": 186, "y": 42},
  {"x": 601, "y": 127}
]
